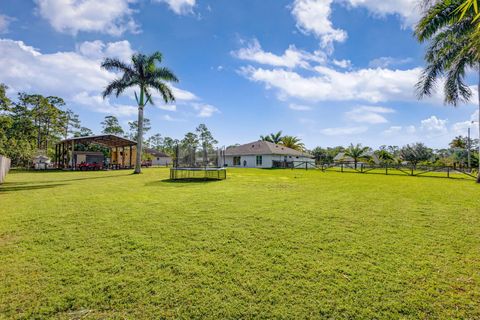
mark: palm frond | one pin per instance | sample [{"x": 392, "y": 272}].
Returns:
[
  {"x": 163, "y": 89},
  {"x": 164, "y": 74},
  {"x": 113, "y": 64}
]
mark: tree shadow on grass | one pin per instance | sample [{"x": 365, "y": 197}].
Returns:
[
  {"x": 64, "y": 180},
  {"x": 6, "y": 188}
]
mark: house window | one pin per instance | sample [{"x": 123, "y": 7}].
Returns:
[
  {"x": 236, "y": 161},
  {"x": 259, "y": 160}
]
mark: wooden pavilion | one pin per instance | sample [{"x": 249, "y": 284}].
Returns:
[{"x": 122, "y": 153}]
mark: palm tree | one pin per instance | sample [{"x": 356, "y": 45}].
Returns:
[
  {"x": 453, "y": 48},
  {"x": 385, "y": 156},
  {"x": 357, "y": 153},
  {"x": 459, "y": 142},
  {"x": 147, "y": 76},
  {"x": 273, "y": 137},
  {"x": 292, "y": 143}
]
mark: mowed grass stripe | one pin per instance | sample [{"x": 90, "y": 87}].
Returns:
[{"x": 263, "y": 243}]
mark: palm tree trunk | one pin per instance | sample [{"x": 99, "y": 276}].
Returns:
[
  {"x": 478, "y": 178},
  {"x": 138, "y": 158}
]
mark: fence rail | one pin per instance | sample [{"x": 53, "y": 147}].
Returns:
[
  {"x": 392, "y": 169},
  {"x": 4, "y": 167},
  {"x": 409, "y": 170}
]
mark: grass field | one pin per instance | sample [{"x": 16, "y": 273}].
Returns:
[{"x": 261, "y": 244}]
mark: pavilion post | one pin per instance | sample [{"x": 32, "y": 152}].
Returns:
[
  {"x": 123, "y": 157},
  {"x": 130, "y": 163},
  {"x": 62, "y": 154},
  {"x": 56, "y": 155},
  {"x": 73, "y": 149}
]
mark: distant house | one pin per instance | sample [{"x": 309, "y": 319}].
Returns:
[
  {"x": 264, "y": 154},
  {"x": 159, "y": 158},
  {"x": 341, "y": 157}
]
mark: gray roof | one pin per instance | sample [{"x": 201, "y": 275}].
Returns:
[
  {"x": 156, "y": 153},
  {"x": 263, "y": 148},
  {"x": 108, "y": 140}
]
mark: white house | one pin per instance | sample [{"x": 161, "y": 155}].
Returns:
[
  {"x": 264, "y": 154},
  {"x": 159, "y": 158}
]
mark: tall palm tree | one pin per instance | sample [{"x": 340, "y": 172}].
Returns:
[
  {"x": 357, "y": 153},
  {"x": 453, "y": 48},
  {"x": 144, "y": 74},
  {"x": 273, "y": 137},
  {"x": 292, "y": 143}
]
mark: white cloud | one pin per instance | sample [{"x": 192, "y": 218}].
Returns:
[
  {"x": 434, "y": 126},
  {"x": 461, "y": 128},
  {"x": 299, "y": 107},
  {"x": 372, "y": 85},
  {"x": 291, "y": 58},
  {"x": 112, "y": 17},
  {"x": 385, "y": 62},
  {"x": 393, "y": 130},
  {"x": 342, "y": 63},
  {"x": 167, "y": 107},
  {"x": 5, "y": 23},
  {"x": 204, "y": 110},
  {"x": 97, "y": 104},
  {"x": 62, "y": 73},
  {"x": 183, "y": 95},
  {"x": 368, "y": 114},
  {"x": 167, "y": 117},
  {"x": 75, "y": 76},
  {"x": 340, "y": 131},
  {"x": 97, "y": 50},
  {"x": 408, "y": 10},
  {"x": 411, "y": 129},
  {"x": 180, "y": 6},
  {"x": 313, "y": 16}
]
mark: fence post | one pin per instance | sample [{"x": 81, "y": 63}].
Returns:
[
  {"x": 448, "y": 172},
  {"x": 386, "y": 168},
  {"x": 361, "y": 167},
  {"x": 412, "y": 171},
  {"x": 342, "y": 167}
]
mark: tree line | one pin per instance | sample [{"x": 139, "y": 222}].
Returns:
[
  {"x": 33, "y": 124},
  {"x": 461, "y": 152}
]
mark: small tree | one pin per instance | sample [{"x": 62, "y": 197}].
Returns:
[
  {"x": 155, "y": 142},
  {"x": 206, "y": 140},
  {"x": 190, "y": 143},
  {"x": 133, "y": 125},
  {"x": 83, "y": 132},
  {"x": 72, "y": 123},
  {"x": 384, "y": 156},
  {"x": 111, "y": 125},
  {"x": 415, "y": 153},
  {"x": 357, "y": 153}
]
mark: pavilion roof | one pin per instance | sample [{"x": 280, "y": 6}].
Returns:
[{"x": 108, "y": 140}]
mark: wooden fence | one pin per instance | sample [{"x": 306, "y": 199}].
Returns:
[
  {"x": 4, "y": 167},
  {"x": 393, "y": 169}
]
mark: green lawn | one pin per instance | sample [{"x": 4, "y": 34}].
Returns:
[{"x": 261, "y": 244}]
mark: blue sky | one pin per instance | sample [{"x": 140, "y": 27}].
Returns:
[{"x": 330, "y": 71}]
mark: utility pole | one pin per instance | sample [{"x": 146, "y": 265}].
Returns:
[{"x": 468, "y": 150}]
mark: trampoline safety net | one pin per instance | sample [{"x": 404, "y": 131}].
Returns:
[{"x": 197, "y": 163}]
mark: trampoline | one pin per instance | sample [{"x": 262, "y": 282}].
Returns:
[{"x": 198, "y": 173}]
